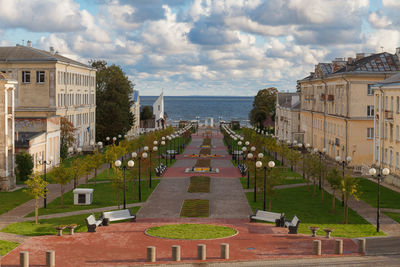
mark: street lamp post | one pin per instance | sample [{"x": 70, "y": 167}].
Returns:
[
  {"x": 146, "y": 149},
  {"x": 378, "y": 174},
  {"x": 118, "y": 164},
  {"x": 155, "y": 143},
  {"x": 144, "y": 155},
  {"x": 155, "y": 149},
  {"x": 321, "y": 153},
  {"x": 237, "y": 156},
  {"x": 271, "y": 164},
  {"x": 45, "y": 163},
  {"x": 107, "y": 140},
  {"x": 344, "y": 163}
]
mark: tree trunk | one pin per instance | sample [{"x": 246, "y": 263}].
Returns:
[
  {"x": 314, "y": 187},
  {"x": 62, "y": 196},
  {"x": 87, "y": 180},
  {"x": 322, "y": 194},
  {"x": 333, "y": 201},
  {"x": 134, "y": 189},
  {"x": 118, "y": 199},
  {"x": 95, "y": 176},
  {"x": 269, "y": 204},
  {"x": 36, "y": 210}
]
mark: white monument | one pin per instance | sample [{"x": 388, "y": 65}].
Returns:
[{"x": 83, "y": 196}]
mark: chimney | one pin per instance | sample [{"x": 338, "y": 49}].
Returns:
[
  {"x": 29, "y": 43},
  {"x": 398, "y": 52},
  {"x": 338, "y": 64},
  {"x": 359, "y": 56},
  {"x": 52, "y": 51},
  {"x": 350, "y": 60}
]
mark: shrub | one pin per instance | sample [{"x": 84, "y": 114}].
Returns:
[{"x": 24, "y": 167}]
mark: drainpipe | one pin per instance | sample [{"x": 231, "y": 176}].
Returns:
[
  {"x": 326, "y": 96},
  {"x": 380, "y": 126},
  {"x": 347, "y": 114}
]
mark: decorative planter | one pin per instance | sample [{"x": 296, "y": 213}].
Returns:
[
  {"x": 60, "y": 228},
  {"x": 71, "y": 228},
  {"x": 314, "y": 230}
]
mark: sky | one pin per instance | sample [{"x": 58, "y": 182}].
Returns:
[{"x": 205, "y": 47}]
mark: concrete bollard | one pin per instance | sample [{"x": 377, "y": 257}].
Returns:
[
  {"x": 24, "y": 259},
  {"x": 361, "y": 245},
  {"x": 317, "y": 247},
  {"x": 176, "y": 253},
  {"x": 50, "y": 258},
  {"x": 225, "y": 251},
  {"x": 151, "y": 254},
  {"x": 201, "y": 252},
  {"x": 339, "y": 246}
]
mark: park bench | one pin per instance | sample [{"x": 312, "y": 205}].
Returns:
[
  {"x": 160, "y": 169},
  {"x": 92, "y": 223},
  {"x": 277, "y": 218},
  {"x": 293, "y": 225},
  {"x": 117, "y": 215},
  {"x": 242, "y": 169}
]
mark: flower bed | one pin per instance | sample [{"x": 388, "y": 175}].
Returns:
[{"x": 206, "y": 142}]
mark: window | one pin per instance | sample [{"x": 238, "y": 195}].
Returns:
[
  {"x": 391, "y": 157},
  {"x": 26, "y": 76},
  {"x": 369, "y": 90},
  {"x": 370, "y": 111},
  {"x": 397, "y": 160},
  {"x": 40, "y": 76},
  {"x": 397, "y": 132},
  {"x": 370, "y": 133},
  {"x": 397, "y": 104}
]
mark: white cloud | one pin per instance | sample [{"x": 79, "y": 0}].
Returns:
[
  {"x": 391, "y": 3},
  {"x": 41, "y": 15},
  {"x": 378, "y": 20}
]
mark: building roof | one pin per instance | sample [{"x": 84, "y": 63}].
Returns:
[
  {"x": 24, "y": 53},
  {"x": 382, "y": 62},
  {"x": 285, "y": 99},
  {"x": 392, "y": 79}
]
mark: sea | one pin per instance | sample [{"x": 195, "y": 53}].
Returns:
[{"x": 225, "y": 108}]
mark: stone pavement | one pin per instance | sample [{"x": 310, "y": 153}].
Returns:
[{"x": 227, "y": 199}]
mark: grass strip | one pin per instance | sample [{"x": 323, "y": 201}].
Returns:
[
  {"x": 47, "y": 226},
  {"x": 7, "y": 246},
  {"x": 311, "y": 212},
  {"x": 199, "y": 184},
  {"x": 195, "y": 208},
  {"x": 369, "y": 193},
  {"x": 203, "y": 163},
  {"x": 103, "y": 196},
  {"x": 205, "y": 151},
  {"x": 10, "y": 200},
  {"x": 191, "y": 231},
  {"x": 393, "y": 215},
  {"x": 206, "y": 142}
]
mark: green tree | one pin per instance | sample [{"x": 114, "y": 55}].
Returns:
[
  {"x": 98, "y": 161},
  {"x": 263, "y": 106},
  {"x": 113, "y": 100},
  {"x": 349, "y": 186},
  {"x": 62, "y": 176},
  {"x": 24, "y": 167},
  {"x": 273, "y": 179},
  {"x": 88, "y": 166},
  {"x": 76, "y": 170},
  {"x": 334, "y": 179},
  {"x": 37, "y": 188},
  {"x": 67, "y": 136},
  {"x": 146, "y": 114},
  {"x": 118, "y": 183}
]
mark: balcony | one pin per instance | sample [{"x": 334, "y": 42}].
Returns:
[
  {"x": 388, "y": 115},
  {"x": 323, "y": 97},
  {"x": 331, "y": 97}
]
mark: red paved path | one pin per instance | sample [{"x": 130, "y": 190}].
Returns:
[{"x": 125, "y": 244}]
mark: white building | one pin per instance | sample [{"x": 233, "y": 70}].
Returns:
[
  {"x": 158, "y": 111},
  {"x": 287, "y": 117},
  {"x": 135, "y": 110}
]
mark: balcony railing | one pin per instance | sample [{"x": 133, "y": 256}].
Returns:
[
  {"x": 331, "y": 97},
  {"x": 388, "y": 114}
]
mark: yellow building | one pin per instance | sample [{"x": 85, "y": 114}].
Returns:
[
  {"x": 287, "y": 117},
  {"x": 337, "y": 104},
  {"x": 387, "y": 123},
  {"x": 52, "y": 85},
  {"x": 7, "y": 177}
]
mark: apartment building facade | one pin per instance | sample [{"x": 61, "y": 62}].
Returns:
[
  {"x": 287, "y": 117},
  {"x": 387, "y": 123},
  {"x": 337, "y": 104},
  {"x": 7, "y": 89},
  {"x": 52, "y": 85}
]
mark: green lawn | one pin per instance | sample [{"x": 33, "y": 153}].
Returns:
[
  {"x": 311, "y": 212},
  {"x": 369, "y": 194},
  {"x": 243, "y": 181},
  {"x": 195, "y": 208},
  {"x": 7, "y": 246},
  {"x": 46, "y": 226},
  {"x": 191, "y": 231},
  {"x": 199, "y": 184},
  {"x": 394, "y": 216},
  {"x": 103, "y": 196},
  {"x": 10, "y": 200}
]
